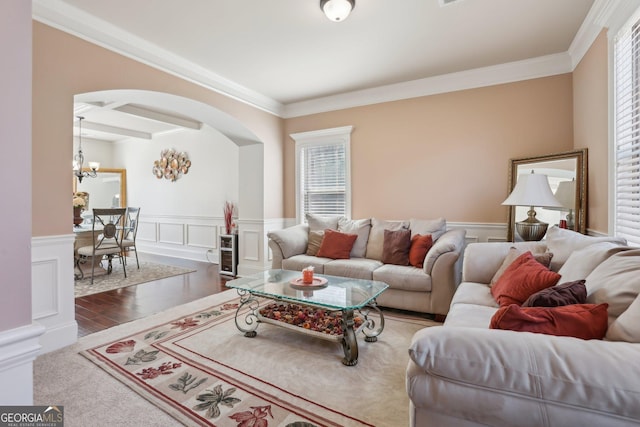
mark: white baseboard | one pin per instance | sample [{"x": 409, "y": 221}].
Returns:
[{"x": 18, "y": 349}]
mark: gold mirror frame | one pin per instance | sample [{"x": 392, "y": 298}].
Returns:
[
  {"x": 123, "y": 184},
  {"x": 581, "y": 174}
]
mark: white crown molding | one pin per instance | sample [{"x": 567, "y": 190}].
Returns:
[
  {"x": 603, "y": 13},
  {"x": 543, "y": 66},
  {"x": 60, "y": 15}
]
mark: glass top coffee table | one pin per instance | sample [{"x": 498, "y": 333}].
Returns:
[{"x": 333, "y": 308}]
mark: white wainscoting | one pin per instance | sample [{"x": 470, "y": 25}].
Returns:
[
  {"x": 52, "y": 294},
  {"x": 190, "y": 237},
  {"x": 481, "y": 232}
]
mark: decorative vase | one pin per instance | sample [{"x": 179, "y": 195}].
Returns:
[{"x": 77, "y": 218}]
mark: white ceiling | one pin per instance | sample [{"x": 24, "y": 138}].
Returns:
[{"x": 285, "y": 54}]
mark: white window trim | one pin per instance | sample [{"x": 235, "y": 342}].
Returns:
[
  {"x": 330, "y": 136},
  {"x": 620, "y": 18}
]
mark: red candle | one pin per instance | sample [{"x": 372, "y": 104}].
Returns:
[{"x": 307, "y": 276}]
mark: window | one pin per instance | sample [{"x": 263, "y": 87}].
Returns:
[
  {"x": 626, "y": 192},
  {"x": 323, "y": 181}
]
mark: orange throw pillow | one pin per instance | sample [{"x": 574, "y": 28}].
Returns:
[
  {"x": 336, "y": 245},
  {"x": 524, "y": 277},
  {"x": 585, "y": 321},
  {"x": 420, "y": 245}
]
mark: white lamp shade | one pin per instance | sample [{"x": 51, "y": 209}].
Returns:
[
  {"x": 566, "y": 194},
  {"x": 532, "y": 190},
  {"x": 337, "y": 10}
]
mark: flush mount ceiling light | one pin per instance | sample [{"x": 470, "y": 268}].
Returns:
[{"x": 337, "y": 10}]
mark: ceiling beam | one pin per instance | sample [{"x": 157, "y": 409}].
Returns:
[
  {"x": 160, "y": 117},
  {"x": 116, "y": 130}
]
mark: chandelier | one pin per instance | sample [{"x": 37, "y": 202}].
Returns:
[{"x": 78, "y": 159}]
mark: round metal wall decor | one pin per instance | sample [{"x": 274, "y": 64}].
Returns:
[{"x": 172, "y": 165}]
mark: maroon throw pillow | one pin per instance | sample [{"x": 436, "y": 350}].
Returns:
[
  {"x": 420, "y": 245},
  {"x": 562, "y": 294},
  {"x": 585, "y": 321},
  {"x": 336, "y": 245},
  {"x": 395, "y": 247},
  {"x": 524, "y": 277}
]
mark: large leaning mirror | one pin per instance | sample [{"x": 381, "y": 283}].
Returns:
[
  {"x": 567, "y": 176},
  {"x": 107, "y": 190}
]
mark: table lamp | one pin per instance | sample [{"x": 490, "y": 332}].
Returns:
[
  {"x": 566, "y": 195},
  {"x": 532, "y": 190}
]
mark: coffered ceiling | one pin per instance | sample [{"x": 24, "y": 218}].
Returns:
[{"x": 286, "y": 57}]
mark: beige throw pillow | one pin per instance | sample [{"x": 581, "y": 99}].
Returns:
[
  {"x": 376, "y": 236},
  {"x": 361, "y": 227},
  {"x": 322, "y": 222},
  {"x": 435, "y": 227},
  {"x": 315, "y": 239},
  {"x": 563, "y": 242},
  {"x": 616, "y": 281},
  {"x": 627, "y": 326},
  {"x": 583, "y": 261}
]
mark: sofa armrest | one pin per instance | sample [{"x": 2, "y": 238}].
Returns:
[
  {"x": 451, "y": 241},
  {"x": 287, "y": 242},
  {"x": 482, "y": 260},
  {"x": 543, "y": 368},
  {"x": 443, "y": 263}
]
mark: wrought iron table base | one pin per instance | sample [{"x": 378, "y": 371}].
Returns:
[{"x": 248, "y": 323}]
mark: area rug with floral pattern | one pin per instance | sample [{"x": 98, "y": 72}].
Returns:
[{"x": 202, "y": 370}]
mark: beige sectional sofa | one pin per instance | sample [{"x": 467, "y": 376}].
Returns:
[
  {"x": 465, "y": 374},
  {"x": 428, "y": 289}
]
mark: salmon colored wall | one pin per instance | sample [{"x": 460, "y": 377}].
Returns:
[
  {"x": 63, "y": 66},
  {"x": 590, "y": 112},
  {"x": 444, "y": 155}
]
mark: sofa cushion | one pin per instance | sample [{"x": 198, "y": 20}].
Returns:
[
  {"x": 562, "y": 294},
  {"x": 474, "y": 293},
  {"x": 315, "y": 239},
  {"x": 336, "y": 245},
  {"x": 356, "y": 268},
  {"x": 435, "y": 227},
  {"x": 585, "y": 321},
  {"x": 563, "y": 242},
  {"x": 420, "y": 245},
  {"x": 627, "y": 326},
  {"x": 298, "y": 262},
  {"x": 322, "y": 222},
  {"x": 395, "y": 249},
  {"x": 583, "y": 261},
  {"x": 540, "y": 254},
  {"x": 407, "y": 278},
  {"x": 376, "y": 236},
  {"x": 616, "y": 281},
  {"x": 521, "y": 279},
  {"x": 361, "y": 228},
  {"x": 470, "y": 316}
]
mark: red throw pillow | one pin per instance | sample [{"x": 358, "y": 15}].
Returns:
[
  {"x": 524, "y": 277},
  {"x": 586, "y": 321},
  {"x": 395, "y": 247},
  {"x": 420, "y": 245},
  {"x": 336, "y": 245}
]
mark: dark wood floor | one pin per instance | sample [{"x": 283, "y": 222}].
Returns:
[{"x": 104, "y": 310}]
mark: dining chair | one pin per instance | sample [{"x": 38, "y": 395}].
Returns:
[
  {"x": 130, "y": 232},
  {"x": 107, "y": 230}
]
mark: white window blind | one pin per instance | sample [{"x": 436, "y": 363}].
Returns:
[
  {"x": 324, "y": 180},
  {"x": 323, "y": 184},
  {"x": 627, "y": 134}
]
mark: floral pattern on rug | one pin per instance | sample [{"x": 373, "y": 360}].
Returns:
[{"x": 188, "y": 392}]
